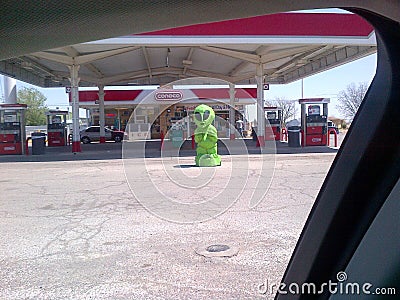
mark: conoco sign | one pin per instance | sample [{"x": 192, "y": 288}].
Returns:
[{"x": 168, "y": 95}]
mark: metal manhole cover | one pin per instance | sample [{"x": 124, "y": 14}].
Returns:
[{"x": 217, "y": 250}]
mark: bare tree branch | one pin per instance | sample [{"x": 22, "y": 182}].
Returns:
[
  {"x": 350, "y": 99},
  {"x": 289, "y": 108}
]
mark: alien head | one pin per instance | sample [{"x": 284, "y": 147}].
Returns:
[{"x": 203, "y": 116}]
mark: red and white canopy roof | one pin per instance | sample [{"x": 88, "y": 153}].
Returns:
[
  {"x": 124, "y": 98},
  {"x": 303, "y": 28},
  {"x": 290, "y": 46}
]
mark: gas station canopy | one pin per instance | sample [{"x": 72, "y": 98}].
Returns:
[{"x": 288, "y": 46}]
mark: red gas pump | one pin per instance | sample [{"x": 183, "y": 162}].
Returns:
[
  {"x": 274, "y": 116},
  {"x": 12, "y": 128},
  {"x": 314, "y": 123},
  {"x": 57, "y": 128}
]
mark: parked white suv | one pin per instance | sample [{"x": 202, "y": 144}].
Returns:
[{"x": 92, "y": 133}]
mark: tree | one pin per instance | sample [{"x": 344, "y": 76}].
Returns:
[
  {"x": 350, "y": 99},
  {"x": 36, "y": 102},
  {"x": 289, "y": 109}
]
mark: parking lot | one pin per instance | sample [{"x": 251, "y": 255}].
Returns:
[{"x": 70, "y": 228}]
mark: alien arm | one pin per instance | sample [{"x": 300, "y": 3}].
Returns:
[
  {"x": 198, "y": 136},
  {"x": 212, "y": 134},
  {"x": 211, "y": 138}
]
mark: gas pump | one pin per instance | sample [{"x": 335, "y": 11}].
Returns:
[
  {"x": 12, "y": 128},
  {"x": 274, "y": 116},
  {"x": 57, "y": 128},
  {"x": 314, "y": 123}
]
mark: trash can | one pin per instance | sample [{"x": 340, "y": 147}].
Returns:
[
  {"x": 176, "y": 137},
  {"x": 38, "y": 143},
  {"x": 254, "y": 133},
  {"x": 293, "y": 129}
]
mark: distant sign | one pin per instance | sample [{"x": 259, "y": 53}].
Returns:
[
  {"x": 68, "y": 89},
  {"x": 10, "y": 118},
  {"x": 266, "y": 86},
  {"x": 56, "y": 120},
  {"x": 168, "y": 95},
  {"x": 216, "y": 107},
  {"x": 314, "y": 110},
  {"x": 271, "y": 115}
]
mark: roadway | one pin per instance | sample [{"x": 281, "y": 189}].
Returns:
[{"x": 72, "y": 229}]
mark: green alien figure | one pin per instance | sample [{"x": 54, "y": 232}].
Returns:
[{"x": 206, "y": 137}]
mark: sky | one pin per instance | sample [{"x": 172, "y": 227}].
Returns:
[{"x": 329, "y": 83}]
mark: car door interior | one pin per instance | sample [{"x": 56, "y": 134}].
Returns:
[
  {"x": 341, "y": 228},
  {"x": 363, "y": 175}
]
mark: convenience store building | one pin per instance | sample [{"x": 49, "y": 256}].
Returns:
[{"x": 142, "y": 106}]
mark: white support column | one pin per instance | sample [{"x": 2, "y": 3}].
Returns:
[
  {"x": 10, "y": 90},
  {"x": 102, "y": 120},
  {"x": 88, "y": 117},
  {"x": 188, "y": 125},
  {"x": 231, "y": 111},
  {"x": 119, "y": 119},
  {"x": 76, "y": 140},
  {"x": 260, "y": 106}
]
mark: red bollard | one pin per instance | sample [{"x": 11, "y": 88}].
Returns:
[
  {"x": 335, "y": 134},
  {"x": 260, "y": 141},
  {"x": 162, "y": 140},
  {"x": 193, "y": 142},
  {"x": 76, "y": 147},
  {"x": 329, "y": 136},
  {"x": 284, "y": 134}
]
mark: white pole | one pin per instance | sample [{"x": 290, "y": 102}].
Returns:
[
  {"x": 188, "y": 124},
  {"x": 88, "y": 117},
  {"x": 76, "y": 140},
  {"x": 102, "y": 122},
  {"x": 118, "y": 119},
  {"x": 231, "y": 111},
  {"x": 260, "y": 106}
]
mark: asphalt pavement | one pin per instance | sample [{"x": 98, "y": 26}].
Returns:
[{"x": 82, "y": 227}]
